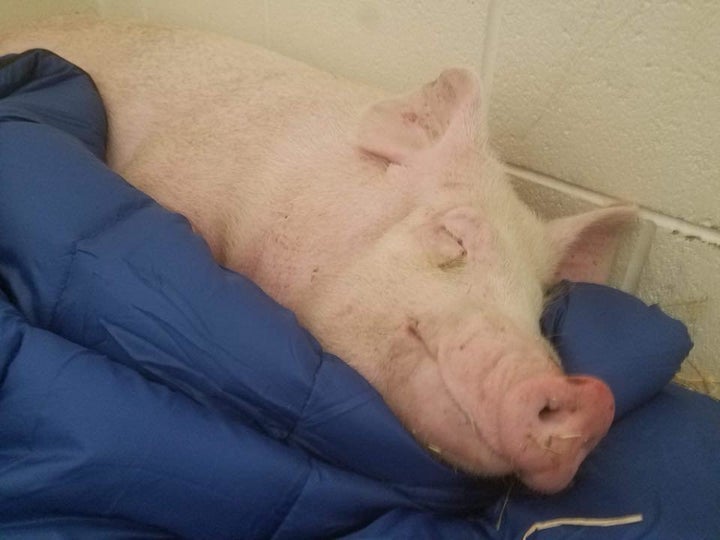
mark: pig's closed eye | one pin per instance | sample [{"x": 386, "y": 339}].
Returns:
[{"x": 453, "y": 252}]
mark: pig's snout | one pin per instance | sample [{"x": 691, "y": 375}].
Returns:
[{"x": 550, "y": 423}]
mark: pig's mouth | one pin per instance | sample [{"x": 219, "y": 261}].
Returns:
[
  {"x": 459, "y": 443},
  {"x": 540, "y": 428}
]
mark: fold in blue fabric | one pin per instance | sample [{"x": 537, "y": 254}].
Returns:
[
  {"x": 636, "y": 349},
  {"x": 148, "y": 392},
  {"x": 50, "y": 91}
]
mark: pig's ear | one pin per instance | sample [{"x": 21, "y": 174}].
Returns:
[
  {"x": 584, "y": 245},
  {"x": 397, "y": 129}
]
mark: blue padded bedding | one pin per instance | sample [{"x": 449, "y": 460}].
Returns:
[{"x": 146, "y": 392}]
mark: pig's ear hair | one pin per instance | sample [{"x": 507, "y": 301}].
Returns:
[
  {"x": 398, "y": 129},
  {"x": 583, "y": 245}
]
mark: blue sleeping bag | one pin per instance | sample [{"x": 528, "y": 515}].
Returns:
[{"x": 146, "y": 392}]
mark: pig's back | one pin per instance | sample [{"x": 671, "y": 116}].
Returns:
[
  {"x": 242, "y": 141},
  {"x": 153, "y": 77}
]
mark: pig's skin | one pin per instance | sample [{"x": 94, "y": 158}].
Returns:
[{"x": 387, "y": 227}]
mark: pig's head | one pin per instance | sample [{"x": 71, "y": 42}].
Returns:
[{"x": 440, "y": 311}]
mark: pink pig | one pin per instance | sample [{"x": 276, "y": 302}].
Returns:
[{"x": 386, "y": 224}]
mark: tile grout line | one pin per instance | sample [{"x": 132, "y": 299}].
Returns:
[
  {"x": 489, "y": 51},
  {"x": 638, "y": 257},
  {"x": 685, "y": 228}
]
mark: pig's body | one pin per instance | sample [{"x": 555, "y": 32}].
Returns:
[{"x": 392, "y": 234}]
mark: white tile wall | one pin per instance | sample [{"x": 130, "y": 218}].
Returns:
[
  {"x": 682, "y": 275},
  {"x": 590, "y": 100},
  {"x": 396, "y": 45},
  {"x": 15, "y": 11},
  {"x": 241, "y": 18},
  {"x": 618, "y": 96},
  {"x": 126, "y": 8}
]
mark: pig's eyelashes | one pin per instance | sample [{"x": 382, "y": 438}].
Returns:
[
  {"x": 443, "y": 248},
  {"x": 455, "y": 256},
  {"x": 457, "y": 239},
  {"x": 453, "y": 263}
]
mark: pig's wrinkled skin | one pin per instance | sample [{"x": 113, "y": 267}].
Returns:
[{"x": 387, "y": 226}]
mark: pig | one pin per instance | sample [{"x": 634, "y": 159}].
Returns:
[{"x": 385, "y": 223}]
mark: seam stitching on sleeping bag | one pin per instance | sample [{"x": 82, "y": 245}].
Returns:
[
  {"x": 120, "y": 216},
  {"x": 12, "y": 351},
  {"x": 292, "y": 506},
  {"x": 66, "y": 280},
  {"x": 291, "y": 433}
]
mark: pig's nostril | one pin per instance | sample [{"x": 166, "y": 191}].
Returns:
[
  {"x": 578, "y": 381},
  {"x": 544, "y": 413},
  {"x": 548, "y": 412},
  {"x": 556, "y": 412}
]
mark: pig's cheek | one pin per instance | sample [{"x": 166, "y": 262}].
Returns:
[
  {"x": 414, "y": 388},
  {"x": 475, "y": 382}
]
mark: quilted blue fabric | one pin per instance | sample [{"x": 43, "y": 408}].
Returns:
[{"x": 146, "y": 392}]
